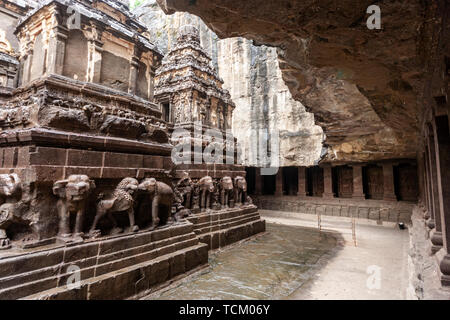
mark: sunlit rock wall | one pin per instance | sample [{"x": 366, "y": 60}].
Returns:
[{"x": 253, "y": 77}]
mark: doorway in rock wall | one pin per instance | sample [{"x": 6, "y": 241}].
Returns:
[
  {"x": 373, "y": 182},
  {"x": 269, "y": 184},
  {"x": 315, "y": 181},
  {"x": 290, "y": 181},
  {"x": 405, "y": 182},
  {"x": 251, "y": 179}
]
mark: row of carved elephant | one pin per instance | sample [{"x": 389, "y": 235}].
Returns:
[
  {"x": 208, "y": 193},
  {"x": 73, "y": 193},
  {"x": 167, "y": 204}
]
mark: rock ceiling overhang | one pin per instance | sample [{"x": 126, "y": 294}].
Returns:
[{"x": 365, "y": 87}]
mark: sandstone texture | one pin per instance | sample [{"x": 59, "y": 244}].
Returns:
[
  {"x": 253, "y": 77},
  {"x": 366, "y": 88}
]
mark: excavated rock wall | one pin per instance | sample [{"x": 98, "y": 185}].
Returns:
[
  {"x": 366, "y": 88},
  {"x": 253, "y": 77}
]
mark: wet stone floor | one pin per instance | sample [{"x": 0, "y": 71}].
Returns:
[{"x": 270, "y": 266}]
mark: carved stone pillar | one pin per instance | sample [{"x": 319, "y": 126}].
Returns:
[
  {"x": 388, "y": 182},
  {"x": 134, "y": 69},
  {"x": 358, "y": 192},
  {"x": 26, "y": 70},
  {"x": 258, "y": 182},
  {"x": 442, "y": 147},
  {"x": 57, "y": 50},
  {"x": 430, "y": 222},
  {"x": 95, "y": 49},
  {"x": 436, "y": 233},
  {"x": 302, "y": 182},
  {"x": 151, "y": 87},
  {"x": 279, "y": 183},
  {"x": 327, "y": 183}
]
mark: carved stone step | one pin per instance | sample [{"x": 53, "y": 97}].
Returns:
[{"x": 44, "y": 269}]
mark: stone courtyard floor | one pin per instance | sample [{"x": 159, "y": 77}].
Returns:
[{"x": 293, "y": 260}]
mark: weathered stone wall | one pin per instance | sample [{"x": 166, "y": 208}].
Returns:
[{"x": 253, "y": 77}]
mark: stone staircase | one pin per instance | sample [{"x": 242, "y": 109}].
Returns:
[
  {"x": 221, "y": 228},
  {"x": 115, "y": 267}
]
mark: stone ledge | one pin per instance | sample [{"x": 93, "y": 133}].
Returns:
[{"x": 172, "y": 250}]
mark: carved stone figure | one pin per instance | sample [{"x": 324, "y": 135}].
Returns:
[
  {"x": 10, "y": 189},
  {"x": 216, "y": 196},
  {"x": 185, "y": 189},
  {"x": 226, "y": 191},
  {"x": 121, "y": 200},
  {"x": 206, "y": 185},
  {"x": 162, "y": 197},
  {"x": 240, "y": 190},
  {"x": 196, "y": 196},
  {"x": 72, "y": 193}
]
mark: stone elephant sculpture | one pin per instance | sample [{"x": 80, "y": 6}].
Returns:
[
  {"x": 10, "y": 190},
  {"x": 73, "y": 193},
  {"x": 206, "y": 187},
  {"x": 240, "y": 190},
  {"x": 226, "y": 191},
  {"x": 161, "y": 197},
  {"x": 123, "y": 199}
]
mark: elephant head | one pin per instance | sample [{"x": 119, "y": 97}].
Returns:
[
  {"x": 10, "y": 185},
  {"x": 240, "y": 183},
  {"x": 226, "y": 183},
  {"x": 206, "y": 183},
  {"x": 148, "y": 185},
  {"x": 75, "y": 188}
]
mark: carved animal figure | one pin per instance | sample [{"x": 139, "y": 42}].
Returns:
[
  {"x": 161, "y": 197},
  {"x": 185, "y": 189},
  {"x": 122, "y": 200},
  {"x": 72, "y": 193},
  {"x": 10, "y": 188},
  {"x": 240, "y": 190},
  {"x": 206, "y": 185},
  {"x": 226, "y": 191}
]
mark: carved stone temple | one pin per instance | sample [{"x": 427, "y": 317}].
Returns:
[{"x": 88, "y": 111}]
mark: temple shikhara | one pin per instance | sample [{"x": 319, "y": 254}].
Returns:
[{"x": 95, "y": 102}]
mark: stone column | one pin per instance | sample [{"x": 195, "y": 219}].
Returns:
[
  {"x": 436, "y": 233},
  {"x": 151, "y": 87},
  {"x": 258, "y": 182},
  {"x": 26, "y": 71},
  {"x": 57, "y": 50},
  {"x": 388, "y": 182},
  {"x": 95, "y": 49},
  {"x": 358, "y": 192},
  {"x": 134, "y": 69},
  {"x": 430, "y": 222},
  {"x": 301, "y": 182},
  {"x": 279, "y": 182},
  {"x": 327, "y": 183},
  {"x": 442, "y": 146}
]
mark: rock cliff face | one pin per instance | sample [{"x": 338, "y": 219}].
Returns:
[
  {"x": 253, "y": 77},
  {"x": 366, "y": 88}
]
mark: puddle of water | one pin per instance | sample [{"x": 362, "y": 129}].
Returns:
[{"x": 270, "y": 266}]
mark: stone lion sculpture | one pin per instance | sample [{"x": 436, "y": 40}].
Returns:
[
  {"x": 122, "y": 200},
  {"x": 72, "y": 193}
]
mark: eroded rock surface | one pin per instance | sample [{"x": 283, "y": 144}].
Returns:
[{"x": 365, "y": 87}]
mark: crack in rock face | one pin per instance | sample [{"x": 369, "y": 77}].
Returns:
[{"x": 365, "y": 87}]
